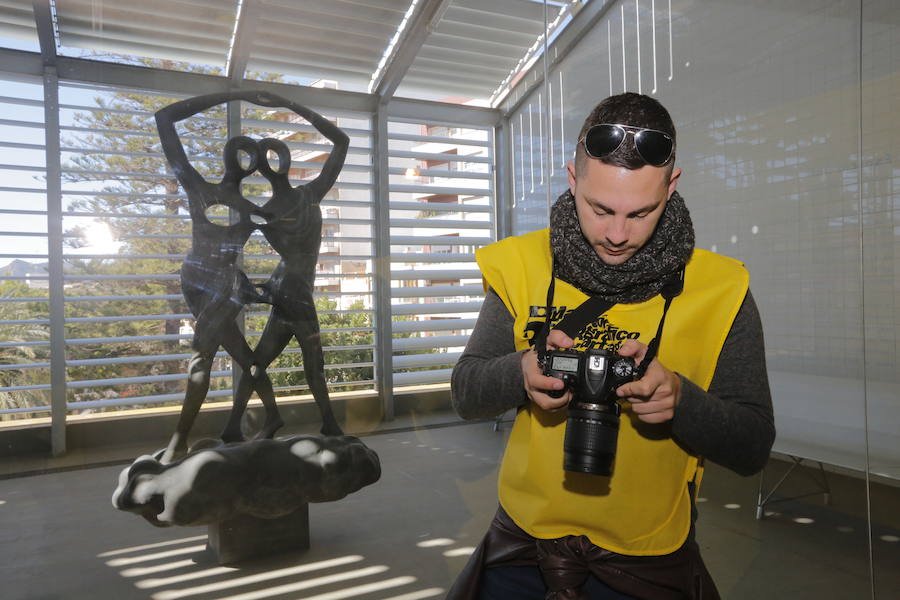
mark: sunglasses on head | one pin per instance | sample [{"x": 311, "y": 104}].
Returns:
[{"x": 654, "y": 146}]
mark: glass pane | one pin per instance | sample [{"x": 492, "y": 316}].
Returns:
[
  {"x": 24, "y": 276},
  {"x": 126, "y": 231},
  {"x": 343, "y": 286},
  {"x": 17, "y": 26},
  {"x": 441, "y": 207},
  {"x": 166, "y": 34},
  {"x": 766, "y": 102},
  {"x": 881, "y": 259},
  {"x": 341, "y": 42},
  {"x": 491, "y": 41}
]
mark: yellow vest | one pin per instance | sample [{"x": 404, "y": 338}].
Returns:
[{"x": 643, "y": 508}]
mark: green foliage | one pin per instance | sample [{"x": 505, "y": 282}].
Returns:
[
  {"x": 340, "y": 332},
  {"x": 14, "y": 358}
]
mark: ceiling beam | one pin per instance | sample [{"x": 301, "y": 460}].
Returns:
[
  {"x": 245, "y": 29},
  {"x": 423, "y": 21},
  {"x": 24, "y": 63},
  {"x": 43, "y": 18},
  {"x": 436, "y": 113},
  {"x": 84, "y": 70},
  {"x": 582, "y": 23},
  {"x": 21, "y": 62}
]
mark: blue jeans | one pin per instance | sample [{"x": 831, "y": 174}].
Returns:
[{"x": 527, "y": 583}]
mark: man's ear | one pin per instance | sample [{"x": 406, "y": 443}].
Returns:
[
  {"x": 673, "y": 181},
  {"x": 570, "y": 170}
]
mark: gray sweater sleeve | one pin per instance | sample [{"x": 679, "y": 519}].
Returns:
[
  {"x": 731, "y": 424},
  {"x": 487, "y": 379}
]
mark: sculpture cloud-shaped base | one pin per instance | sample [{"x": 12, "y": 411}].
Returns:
[{"x": 262, "y": 478}]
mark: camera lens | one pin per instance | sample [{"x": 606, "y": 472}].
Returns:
[{"x": 591, "y": 434}]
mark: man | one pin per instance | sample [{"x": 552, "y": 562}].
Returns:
[{"x": 622, "y": 236}]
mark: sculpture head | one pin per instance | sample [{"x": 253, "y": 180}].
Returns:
[
  {"x": 234, "y": 170},
  {"x": 277, "y": 177}
]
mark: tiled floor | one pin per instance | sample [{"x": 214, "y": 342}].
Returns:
[{"x": 407, "y": 536}]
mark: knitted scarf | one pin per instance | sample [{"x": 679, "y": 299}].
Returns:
[{"x": 637, "y": 279}]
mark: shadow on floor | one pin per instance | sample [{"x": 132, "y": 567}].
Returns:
[{"x": 407, "y": 536}]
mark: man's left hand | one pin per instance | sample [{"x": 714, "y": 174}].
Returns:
[{"x": 654, "y": 396}]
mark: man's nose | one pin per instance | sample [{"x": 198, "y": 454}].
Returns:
[{"x": 617, "y": 233}]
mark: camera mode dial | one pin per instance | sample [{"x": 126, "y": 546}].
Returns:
[{"x": 623, "y": 368}]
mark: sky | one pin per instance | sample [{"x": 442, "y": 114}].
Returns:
[
  {"x": 10, "y": 158},
  {"x": 14, "y": 170}
]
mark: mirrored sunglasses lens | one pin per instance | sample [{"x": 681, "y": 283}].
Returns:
[
  {"x": 603, "y": 139},
  {"x": 654, "y": 147}
]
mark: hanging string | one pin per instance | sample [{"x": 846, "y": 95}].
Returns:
[{"x": 545, "y": 143}]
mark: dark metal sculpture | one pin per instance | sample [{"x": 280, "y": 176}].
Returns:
[
  {"x": 253, "y": 494},
  {"x": 216, "y": 290}
]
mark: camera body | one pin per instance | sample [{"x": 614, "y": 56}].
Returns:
[{"x": 592, "y": 427}]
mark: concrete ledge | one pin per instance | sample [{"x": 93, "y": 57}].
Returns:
[{"x": 358, "y": 413}]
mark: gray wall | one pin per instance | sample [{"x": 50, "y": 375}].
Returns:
[
  {"x": 788, "y": 138},
  {"x": 770, "y": 114}
]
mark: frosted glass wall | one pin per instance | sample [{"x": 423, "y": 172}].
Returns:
[
  {"x": 784, "y": 153},
  {"x": 880, "y": 207}
]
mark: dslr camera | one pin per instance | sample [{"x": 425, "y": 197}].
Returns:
[{"x": 592, "y": 427}]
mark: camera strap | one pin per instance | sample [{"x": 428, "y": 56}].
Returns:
[
  {"x": 671, "y": 288},
  {"x": 594, "y": 306}
]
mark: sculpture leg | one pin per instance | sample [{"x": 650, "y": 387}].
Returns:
[
  {"x": 253, "y": 377},
  {"x": 314, "y": 367},
  {"x": 197, "y": 387},
  {"x": 273, "y": 420},
  {"x": 272, "y": 342},
  {"x": 232, "y": 431}
]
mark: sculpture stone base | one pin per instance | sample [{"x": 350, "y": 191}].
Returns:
[{"x": 245, "y": 537}]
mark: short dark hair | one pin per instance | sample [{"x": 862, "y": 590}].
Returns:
[{"x": 637, "y": 110}]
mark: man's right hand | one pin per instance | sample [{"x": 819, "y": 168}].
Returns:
[{"x": 536, "y": 384}]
